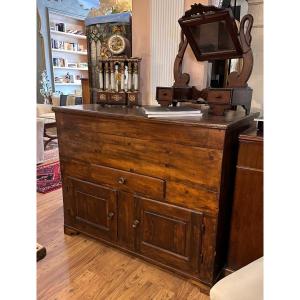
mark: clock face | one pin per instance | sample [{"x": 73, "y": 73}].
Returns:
[{"x": 116, "y": 44}]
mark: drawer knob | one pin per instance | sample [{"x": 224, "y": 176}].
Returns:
[
  {"x": 110, "y": 215},
  {"x": 121, "y": 180},
  {"x": 135, "y": 223}
]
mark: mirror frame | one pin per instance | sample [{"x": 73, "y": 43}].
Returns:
[{"x": 196, "y": 17}]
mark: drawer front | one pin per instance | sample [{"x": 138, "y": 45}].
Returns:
[
  {"x": 129, "y": 182},
  {"x": 118, "y": 98},
  {"x": 219, "y": 96},
  {"x": 164, "y": 94},
  {"x": 102, "y": 97},
  {"x": 117, "y": 179},
  {"x": 169, "y": 234},
  {"x": 91, "y": 208}
]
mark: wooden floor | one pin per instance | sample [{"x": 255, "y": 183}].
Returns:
[{"x": 79, "y": 267}]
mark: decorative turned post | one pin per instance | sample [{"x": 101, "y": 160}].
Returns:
[
  {"x": 93, "y": 52},
  {"x": 135, "y": 77},
  {"x": 116, "y": 77},
  {"x": 122, "y": 70},
  {"x": 126, "y": 78},
  {"x": 112, "y": 75},
  {"x": 129, "y": 76},
  {"x": 106, "y": 76},
  {"x": 100, "y": 76}
]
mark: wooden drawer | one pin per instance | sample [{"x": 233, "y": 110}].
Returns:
[
  {"x": 117, "y": 98},
  {"x": 118, "y": 179},
  {"x": 164, "y": 93},
  {"x": 129, "y": 182},
  {"x": 219, "y": 96},
  {"x": 102, "y": 97}
]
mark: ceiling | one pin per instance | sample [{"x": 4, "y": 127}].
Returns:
[{"x": 88, "y": 4}]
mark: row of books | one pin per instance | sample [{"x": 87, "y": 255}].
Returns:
[
  {"x": 171, "y": 112},
  {"x": 62, "y": 27},
  {"x": 62, "y": 62},
  {"x": 55, "y": 44}
]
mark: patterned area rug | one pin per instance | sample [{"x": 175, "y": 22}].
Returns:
[{"x": 48, "y": 177}]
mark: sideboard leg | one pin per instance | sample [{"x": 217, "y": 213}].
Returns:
[{"x": 70, "y": 231}]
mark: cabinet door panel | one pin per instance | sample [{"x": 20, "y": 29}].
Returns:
[
  {"x": 169, "y": 234},
  {"x": 94, "y": 208}
]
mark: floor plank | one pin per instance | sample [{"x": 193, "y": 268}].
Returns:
[{"x": 78, "y": 267}]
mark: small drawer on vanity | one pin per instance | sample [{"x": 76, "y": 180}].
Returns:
[
  {"x": 129, "y": 182},
  {"x": 220, "y": 96}
]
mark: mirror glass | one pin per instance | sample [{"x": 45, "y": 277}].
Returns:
[{"x": 212, "y": 37}]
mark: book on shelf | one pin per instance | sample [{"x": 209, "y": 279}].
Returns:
[
  {"x": 166, "y": 112},
  {"x": 61, "y": 45}
]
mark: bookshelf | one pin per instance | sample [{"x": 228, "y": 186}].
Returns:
[
  {"x": 78, "y": 36},
  {"x": 68, "y": 48},
  {"x": 69, "y": 68},
  {"x": 70, "y": 51}
]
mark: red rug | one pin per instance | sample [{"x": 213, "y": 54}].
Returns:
[{"x": 48, "y": 177}]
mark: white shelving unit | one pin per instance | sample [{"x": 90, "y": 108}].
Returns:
[
  {"x": 77, "y": 36},
  {"x": 67, "y": 84},
  {"x": 70, "y": 51},
  {"x": 70, "y": 68},
  {"x": 62, "y": 57}
]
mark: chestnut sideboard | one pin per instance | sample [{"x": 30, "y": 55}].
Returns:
[
  {"x": 246, "y": 230},
  {"x": 159, "y": 189}
]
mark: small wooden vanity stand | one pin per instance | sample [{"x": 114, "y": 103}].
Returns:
[{"x": 159, "y": 189}]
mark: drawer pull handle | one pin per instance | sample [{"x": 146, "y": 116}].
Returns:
[
  {"x": 121, "y": 180},
  {"x": 110, "y": 215},
  {"x": 135, "y": 223}
]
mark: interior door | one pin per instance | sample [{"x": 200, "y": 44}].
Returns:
[
  {"x": 94, "y": 208},
  {"x": 169, "y": 234}
]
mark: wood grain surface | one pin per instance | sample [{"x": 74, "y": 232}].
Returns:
[{"x": 78, "y": 267}]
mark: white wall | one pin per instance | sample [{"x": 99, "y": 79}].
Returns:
[{"x": 256, "y": 81}]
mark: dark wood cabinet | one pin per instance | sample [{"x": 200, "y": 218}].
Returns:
[
  {"x": 156, "y": 188},
  {"x": 246, "y": 233}
]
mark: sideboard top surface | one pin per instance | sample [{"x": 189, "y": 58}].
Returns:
[{"x": 136, "y": 113}]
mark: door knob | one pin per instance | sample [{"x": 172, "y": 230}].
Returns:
[
  {"x": 135, "y": 223},
  {"x": 121, "y": 180},
  {"x": 110, "y": 215}
]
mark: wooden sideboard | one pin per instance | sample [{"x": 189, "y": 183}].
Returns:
[
  {"x": 246, "y": 232},
  {"x": 159, "y": 189}
]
